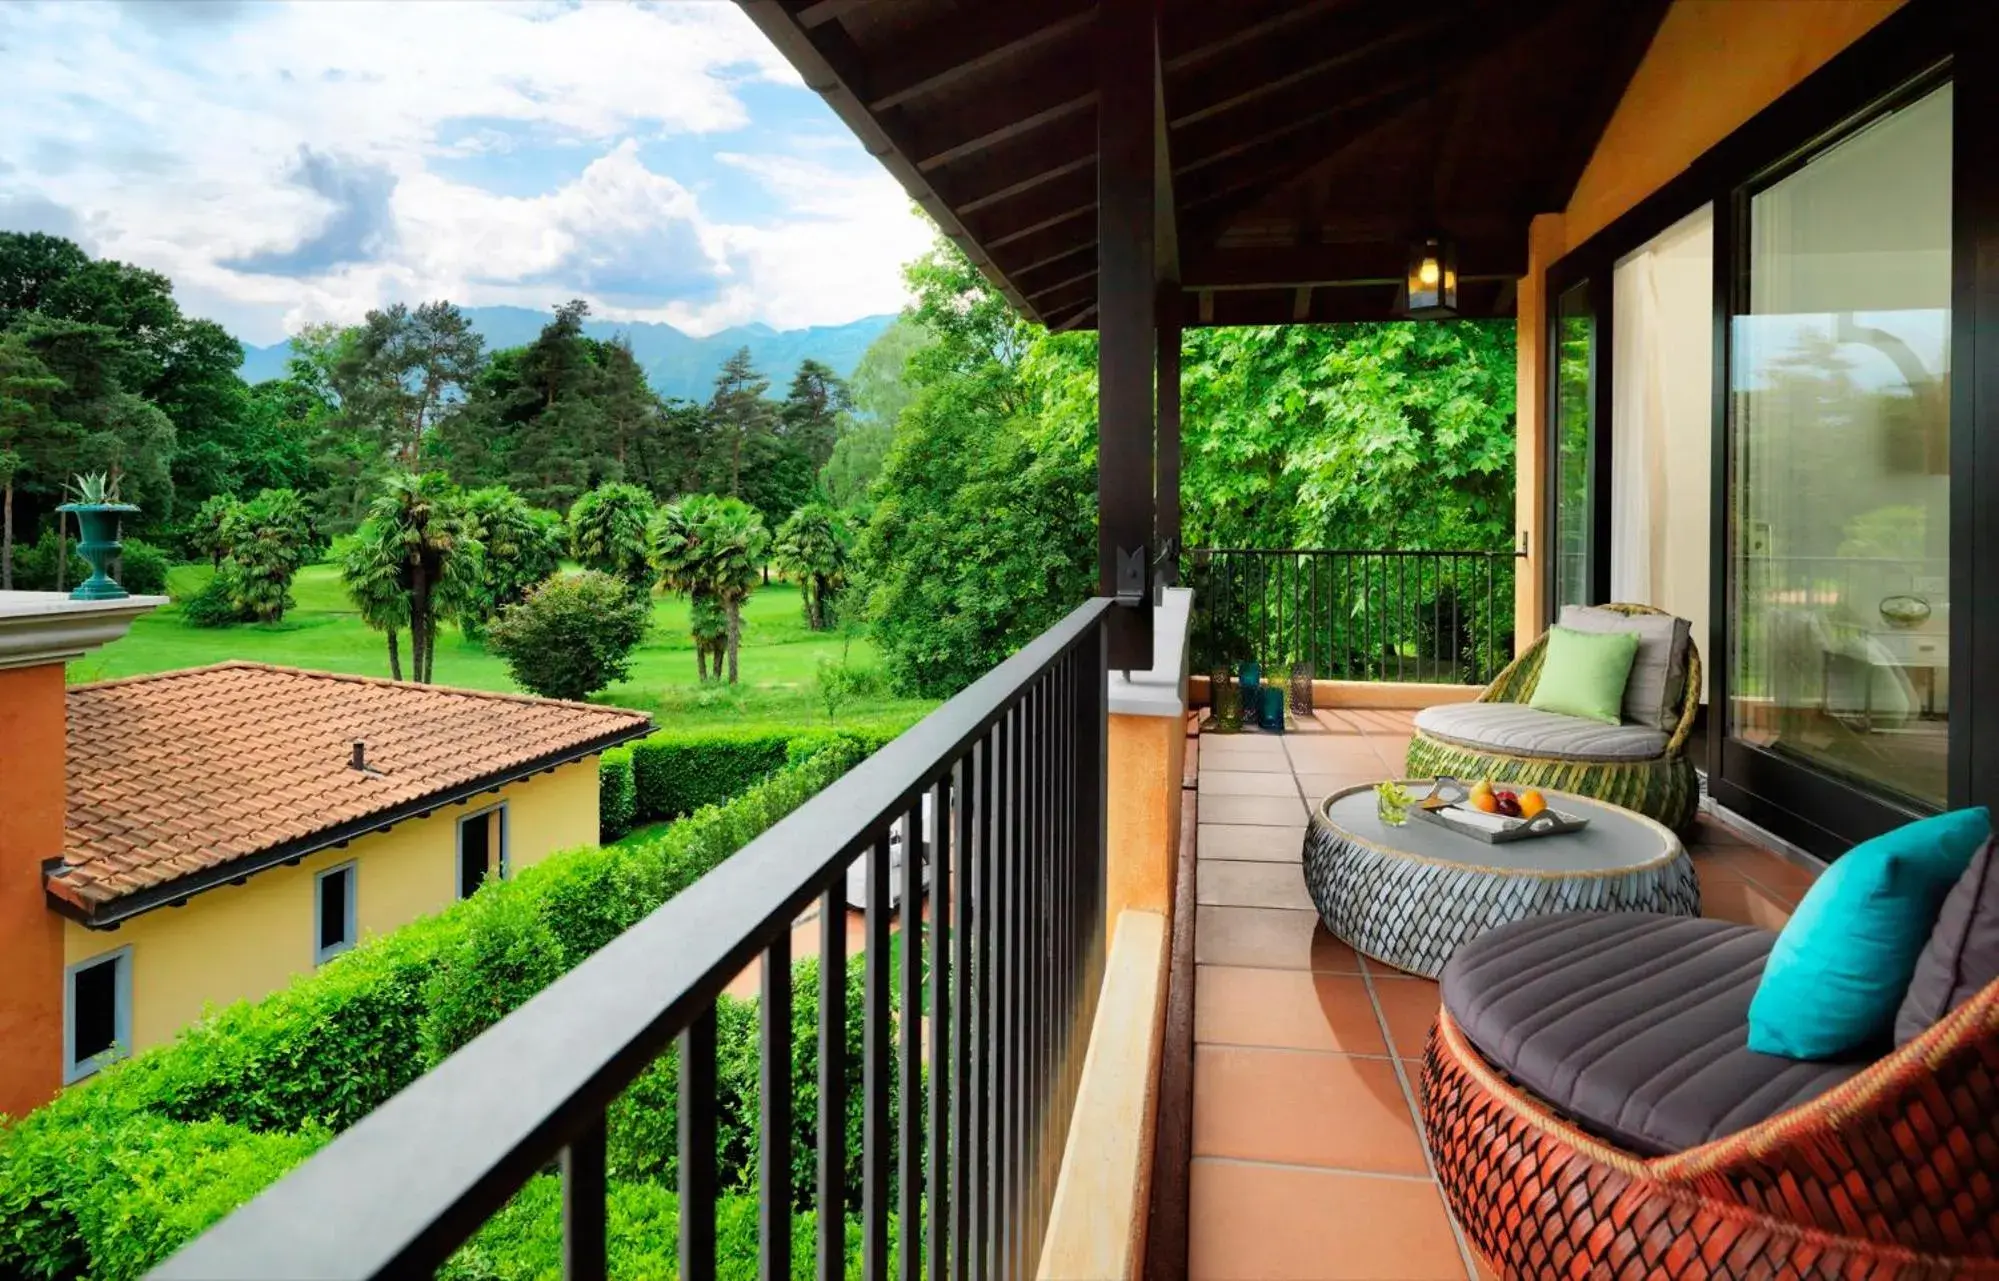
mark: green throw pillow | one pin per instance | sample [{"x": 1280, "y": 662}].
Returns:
[
  {"x": 1842, "y": 965},
  {"x": 1583, "y": 673}
]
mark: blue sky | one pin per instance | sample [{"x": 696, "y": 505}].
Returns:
[{"x": 295, "y": 162}]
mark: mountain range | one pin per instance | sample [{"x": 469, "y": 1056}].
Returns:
[{"x": 676, "y": 363}]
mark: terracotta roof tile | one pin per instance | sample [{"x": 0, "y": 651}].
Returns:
[{"x": 185, "y": 771}]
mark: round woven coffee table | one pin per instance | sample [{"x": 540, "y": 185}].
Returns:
[{"x": 1409, "y": 896}]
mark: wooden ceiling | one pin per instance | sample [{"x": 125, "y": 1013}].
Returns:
[{"x": 1309, "y": 141}]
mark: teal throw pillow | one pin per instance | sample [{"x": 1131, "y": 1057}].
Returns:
[
  {"x": 1841, "y": 967},
  {"x": 1583, "y": 673}
]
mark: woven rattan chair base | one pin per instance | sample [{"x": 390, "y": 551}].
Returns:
[
  {"x": 1664, "y": 789},
  {"x": 1887, "y": 1178}
]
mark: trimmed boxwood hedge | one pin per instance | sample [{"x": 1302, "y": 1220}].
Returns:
[
  {"x": 672, "y": 773},
  {"x": 115, "y": 1174}
]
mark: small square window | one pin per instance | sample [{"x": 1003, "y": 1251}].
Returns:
[
  {"x": 97, "y": 1024},
  {"x": 482, "y": 848},
  {"x": 333, "y": 924}
]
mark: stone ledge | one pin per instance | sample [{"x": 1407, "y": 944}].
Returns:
[
  {"x": 48, "y": 627},
  {"x": 1161, "y": 690}
]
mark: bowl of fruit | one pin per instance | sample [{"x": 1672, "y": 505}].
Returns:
[{"x": 1495, "y": 814}]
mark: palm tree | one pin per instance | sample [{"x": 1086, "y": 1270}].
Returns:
[
  {"x": 607, "y": 531},
  {"x": 812, "y": 546},
  {"x": 714, "y": 548},
  {"x": 426, "y": 535},
  {"x": 372, "y": 573}
]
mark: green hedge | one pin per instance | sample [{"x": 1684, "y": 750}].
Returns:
[
  {"x": 114, "y": 1174},
  {"x": 672, "y": 773}
]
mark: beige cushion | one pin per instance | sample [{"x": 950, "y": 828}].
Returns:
[
  {"x": 1659, "y": 673},
  {"x": 1515, "y": 729}
]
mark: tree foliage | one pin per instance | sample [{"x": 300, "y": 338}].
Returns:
[
  {"x": 265, "y": 542},
  {"x": 573, "y": 635},
  {"x": 812, "y": 546},
  {"x": 712, "y": 549},
  {"x": 609, "y": 532},
  {"x": 523, "y": 546},
  {"x": 425, "y": 546}
]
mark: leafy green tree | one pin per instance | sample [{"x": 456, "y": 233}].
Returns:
[
  {"x": 423, "y": 530},
  {"x": 205, "y": 535},
  {"x": 712, "y": 547},
  {"x": 372, "y": 571},
  {"x": 26, "y": 390},
  {"x": 812, "y": 546},
  {"x": 813, "y": 409},
  {"x": 738, "y": 416},
  {"x": 857, "y": 459},
  {"x": 523, "y": 547},
  {"x": 880, "y": 389},
  {"x": 267, "y": 540},
  {"x": 608, "y": 532},
  {"x": 573, "y": 635},
  {"x": 400, "y": 372}
]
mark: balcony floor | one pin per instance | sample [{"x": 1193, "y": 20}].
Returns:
[{"x": 1307, "y": 1161}]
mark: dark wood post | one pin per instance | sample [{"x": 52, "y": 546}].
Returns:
[
  {"x": 1127, "y": 67},
  {"x": 1166, "y": 499}
]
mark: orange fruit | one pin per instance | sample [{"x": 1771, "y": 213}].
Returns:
[
  {"x": 1531, "y": 803},
  {"x": 1485, "y": 801}
]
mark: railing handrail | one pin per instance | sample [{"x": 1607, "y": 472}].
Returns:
[
  {"x": 1515, "y": 553},
  {"x": 400, "y": 1189}
]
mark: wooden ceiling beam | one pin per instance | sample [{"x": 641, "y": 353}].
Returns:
[
  {"x": 963, "y": 44},
  {"x": 821, "y": 12},
  {"x": 1326, "y": 306},
  {"x": 1060, "y": 252},
  {"x": 1038, "y": 293},
  {"x": 1002, "y": 183},
  {"x": 1217, "y": 29},
  {"x": 1050, "y": 91},
  {"x": 1054, "y": 218},
  {"x": 1050, "y": 244},
  {"x": 1498, "y": 257},
  {"x": 1066, "y": 296},
  {"x": 1043, "y": 206},
  {"x": 1381, "y": 36}
]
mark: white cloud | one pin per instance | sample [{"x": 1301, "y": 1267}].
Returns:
[{"x": 179, "y": 142}]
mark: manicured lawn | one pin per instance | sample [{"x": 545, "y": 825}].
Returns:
[{"x": 778, "y": 667}]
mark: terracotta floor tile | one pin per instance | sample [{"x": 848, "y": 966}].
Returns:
[
  {"x": 1317, "y": 787},
  {"x": 1326, "y": 1110},
  {"x": 1266, "y": 811},
  {"x": 1330, "y": 751},
  {"x": 1743, "y": 903},
  {"x": 1284, "y": 1009},
  {"x": 1218, "y": 782},
  {"x": 1268, "y": 1223},
  {"x": 1220, "y": 752},
  {"x": 1335, "y": 721},
  {"x": 1223, "y": 883},
  {"x": 1249, "y": 842},
  {"x": 1409, "y": 1007},
  {"x": 1269, "y": 938}
]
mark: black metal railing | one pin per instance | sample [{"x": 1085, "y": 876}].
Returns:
[
  {"x": 1013, "y": 772},
  {"x": 1355, "y": 615}
]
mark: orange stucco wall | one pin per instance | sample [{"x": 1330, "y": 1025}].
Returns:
[
  {"x": 1712, "y": 65},
  {"x": 31, "y": 830},
  {"x": 1143, "y": 822}
]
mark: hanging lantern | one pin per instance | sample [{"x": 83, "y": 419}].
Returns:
[{"x": 1433, "y": 279}]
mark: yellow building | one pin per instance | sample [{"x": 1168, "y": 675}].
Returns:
[{"x": 232, "y": 827}]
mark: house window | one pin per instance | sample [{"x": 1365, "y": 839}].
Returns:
[
  {"x": 333, "y": 921},
  {"x": 482, "y": 848},
  {"x": 97, "y": 1013}
]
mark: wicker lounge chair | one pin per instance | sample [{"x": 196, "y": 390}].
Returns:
[
  {"x": 1594, "y": 1111},
  {"x": 1638, "y": 768}
]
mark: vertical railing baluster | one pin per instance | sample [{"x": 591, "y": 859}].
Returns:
[
  {"x": 876, "y": 1078},
  {"x": 909, "y": 1110},
  {"x": 832, "y": 1201},
  {"x": 583, "y": 1206},
  {"x": 963, "y": 872},
  {"x": 774, "y": 1093},
  {"x": 1007, "y": 999},
  {"x": 698, "y": 1177},
  {"x": 989, "y": 911},
  {"x": 944, "y": 876}
]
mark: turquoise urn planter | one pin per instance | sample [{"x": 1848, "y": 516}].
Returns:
[{"x": 99, "y": 545}]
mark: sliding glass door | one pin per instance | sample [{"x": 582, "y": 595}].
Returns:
[
  {"x": 1574, "y": 448},
  {"x": 1838, "y": 528}
]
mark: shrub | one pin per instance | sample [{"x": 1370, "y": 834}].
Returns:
[
  {"x": 35, "y": 565},
  {"x": 615, "y": 801},
  {"x": 675, "y": 773},
  {"x": 142, "y": 568},
  {"x": 268, "y": 539},
  {"x": 218, "y": 601},
  {"x": 841, "y": 682},
  {"x": 573, "y": 635}
]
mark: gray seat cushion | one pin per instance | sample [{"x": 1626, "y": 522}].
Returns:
[
  {"x": 1658, "y": 683},
  {"x": 1519, "y": 730},
  {"x": 1634, "y": 1025}
]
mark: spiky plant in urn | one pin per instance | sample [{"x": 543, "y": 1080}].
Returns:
[{"x": 94, "y": 503}]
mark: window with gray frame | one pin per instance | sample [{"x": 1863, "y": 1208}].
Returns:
[
  {"x": 97, "y": 1013},
  {"x": 333, "y": 912},
  {"x": 482, "y": 848}
]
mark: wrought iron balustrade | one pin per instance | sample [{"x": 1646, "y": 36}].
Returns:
[
  {"x": 1013, "y": 772},
  {"x": 1354, "y": 615}
]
